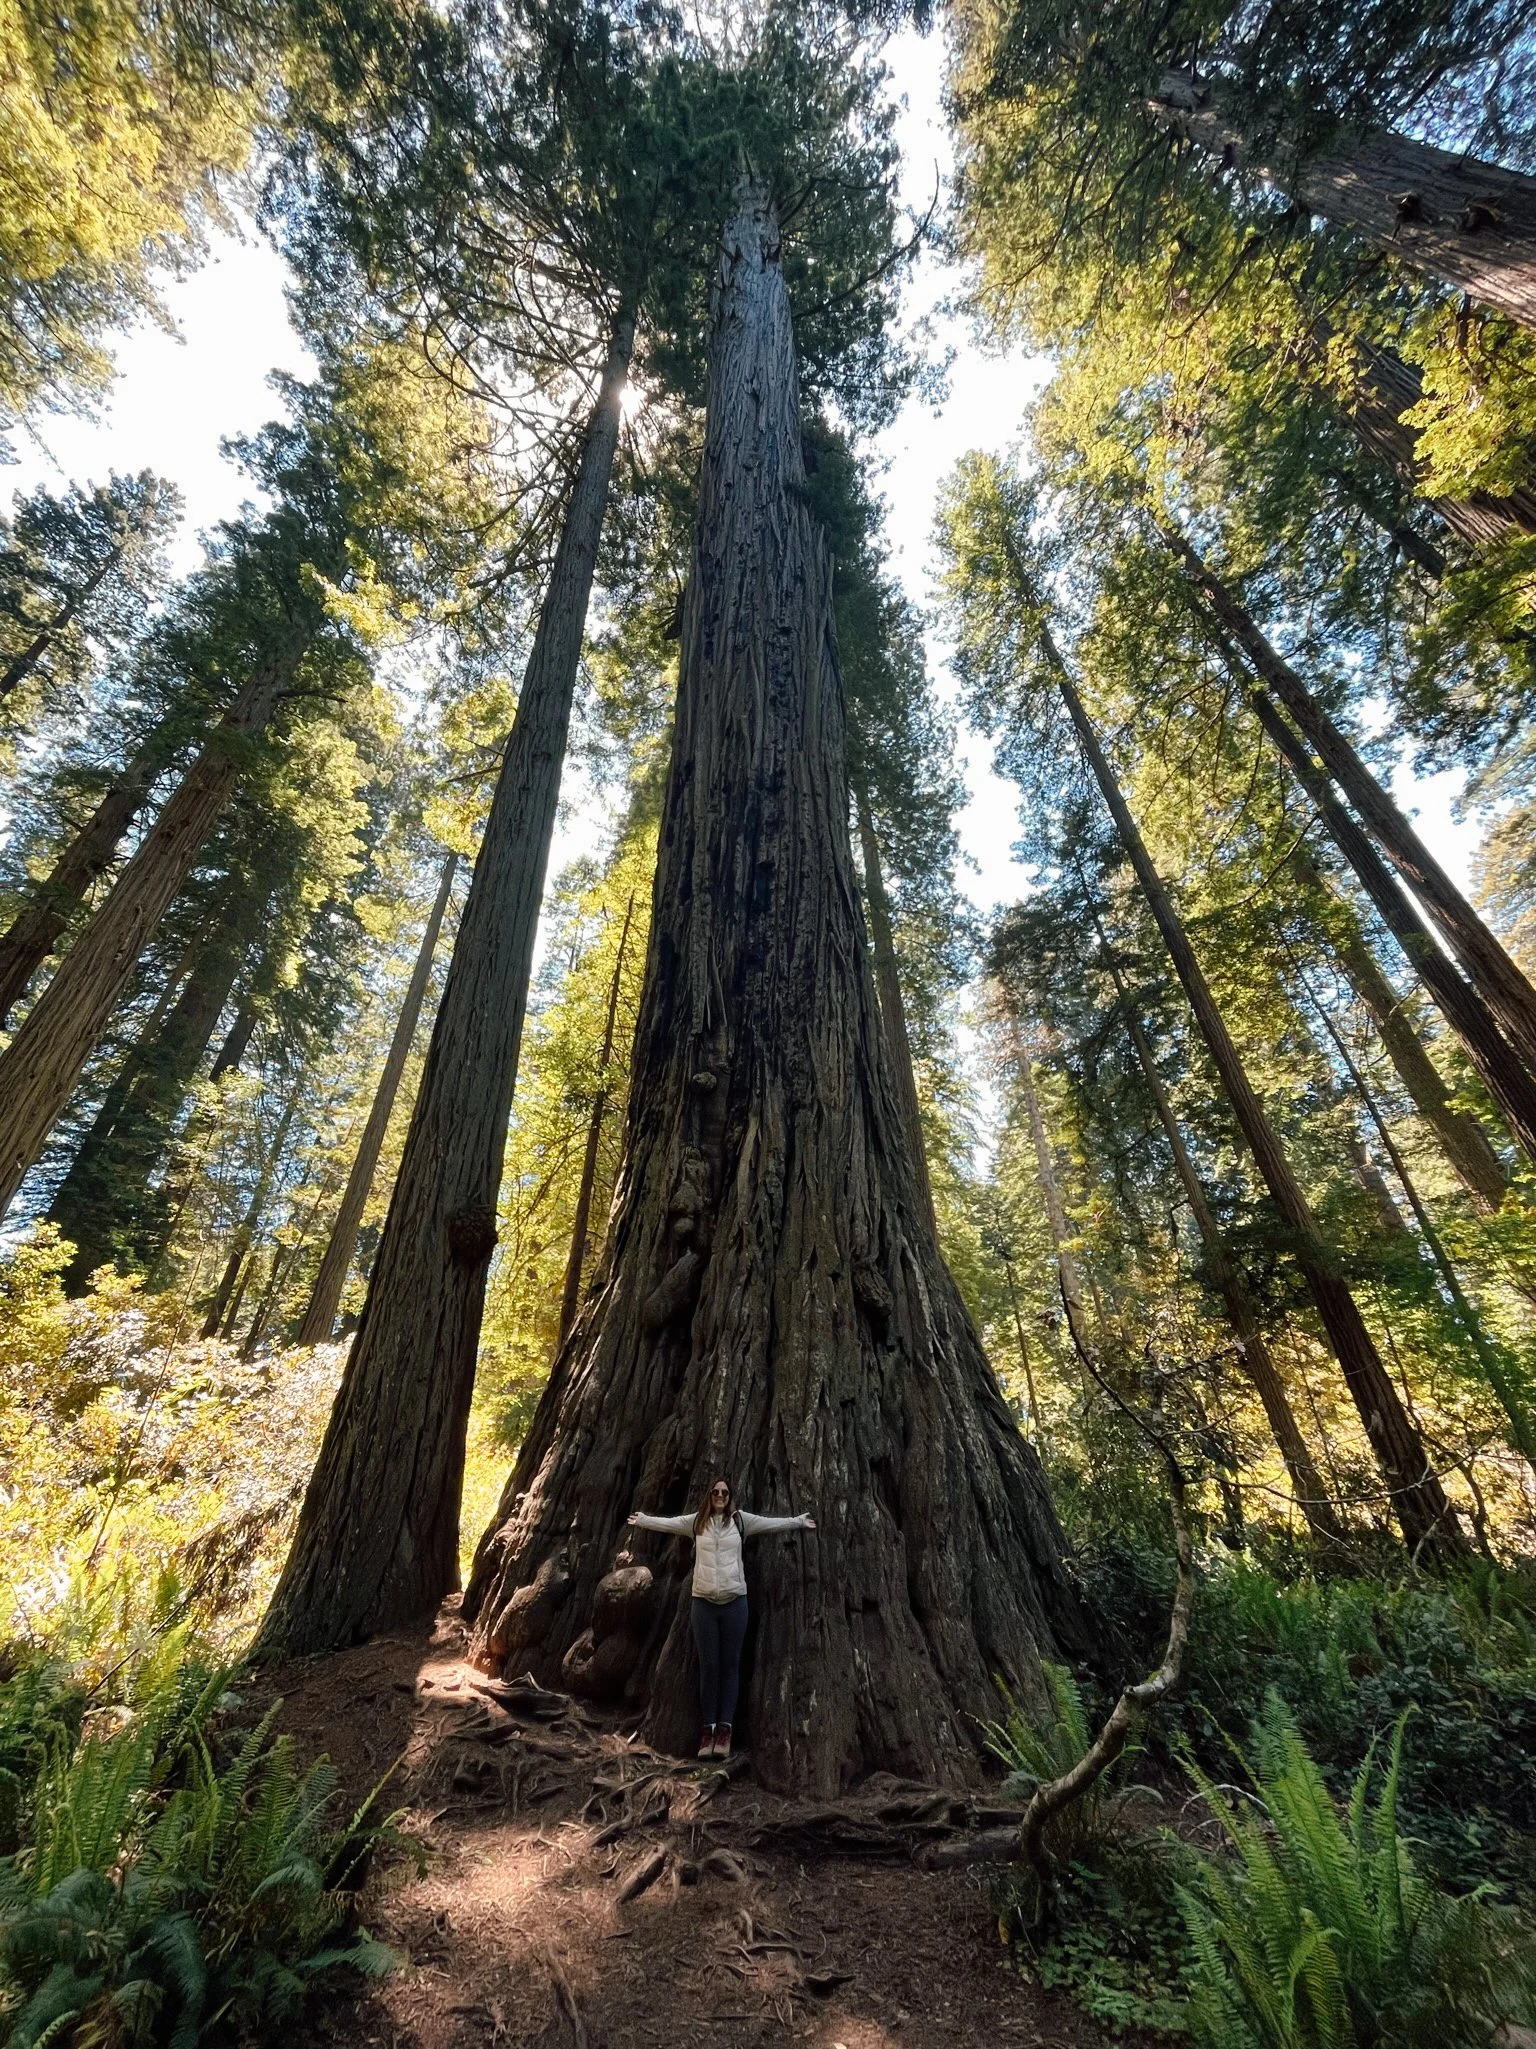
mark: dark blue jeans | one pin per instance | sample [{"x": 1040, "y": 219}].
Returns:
[{"x": 719, "y": 1631}]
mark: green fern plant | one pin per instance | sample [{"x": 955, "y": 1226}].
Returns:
[
  {"x": 164, "y": 1896},
  {"x": 1320, "y": 1933}
]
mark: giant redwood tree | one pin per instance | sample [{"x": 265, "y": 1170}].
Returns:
[{"x": 773, "y": 1303}]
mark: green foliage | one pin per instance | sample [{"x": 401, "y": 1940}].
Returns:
[
  {"x": 1119, "y": 1944},
  {"x": 1034, "y": 1750},
  {"x": 1324, "y": 1935},
  {"x": 176, "y": 1880}
]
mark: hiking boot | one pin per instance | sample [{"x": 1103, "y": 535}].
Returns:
[
  {"x": 722, "y": 1739},
  {"x": 707, "y": 1742}
]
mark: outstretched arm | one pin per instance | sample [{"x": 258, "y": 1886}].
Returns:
[
  {"x": 767, "y": 1525},
  {"x": 669, "y": 1525}
]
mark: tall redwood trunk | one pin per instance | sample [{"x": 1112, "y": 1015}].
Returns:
[
  {"x": 1469, "y": 224},
  {"x": 1462, "y": 1138},
  {"x": 774, "y": 1306},
  {"x": 336, "y": 1261},
  {"x": 1502, "y": 985},
  {"x": 1503, "y": 1073},
  {"x": 378, "y": 1535},
  {"x": 1426, "y": 1515},
  {"x": 35, "y": 929},
  {"x": 893, "y": 1010},
  {"x": 1312, "y": 1497},
  {"x": 43, "y": 1062},
  {"x": 581, "y": 1224}
]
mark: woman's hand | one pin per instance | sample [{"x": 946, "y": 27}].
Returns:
[
  {"x": 810, "y": 1522},
  {"x": 633, "y": 1521}
]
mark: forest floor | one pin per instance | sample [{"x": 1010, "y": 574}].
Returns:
[{"x": 575, "y": 1890}]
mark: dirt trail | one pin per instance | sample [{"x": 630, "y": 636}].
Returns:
[{"x": 582, "y": 1892}]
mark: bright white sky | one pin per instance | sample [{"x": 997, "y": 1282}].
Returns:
[{"x": 178, "y": 394}]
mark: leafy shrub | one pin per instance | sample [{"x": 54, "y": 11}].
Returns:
[
  {"x": 1036, "y": 1751},
  {"x": 1119, "y": 1943},
  {"x": 1325, "y": 1935},
  {"x": 161, "y": 1893},
  {"x": 1349, "y": 1657}
]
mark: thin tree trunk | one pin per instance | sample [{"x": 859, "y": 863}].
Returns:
[
  {"x": 575, "y": 1265},
  {"x": 1471, "y": 225},
  {"x": 336, "y": 1262},
  {"x": 236, "y": 1041},
  {"x": 35, "y": 930},
  {"x": 1312, "y": 1496},
  {"x": 1503, "y": 987},
  {"x": 1462, "y": 1138},
  {"x": 378, "y": 1535},
  {"x": 773, "y": 1303},
  {"x": 893, "y": 1013},
  {"x": 1374, "y": 1182},
  {"x": 1502, "y": 1071},
  {"x": 40, "y": 1067},
  {"x": 1426, "y": 1515},
  {"x": 21, "y": 665},
  {"x": 1522, "y": 1424},
  {"x": 1055, "y": 1209},
  {"x": 245, "y": 1230},
  {"x": 1036, "y": 1420}
]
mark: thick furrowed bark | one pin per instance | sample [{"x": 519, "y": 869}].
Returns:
[
  {"x": 1503, "y": 1073},
  {"x": 893, "y": 1010},
  {"x": 336, "y": 1261},
  {"x": 1503, "y": 987},
  {"x": 1469, "y": 224},
  {"x": 45, "y": 1059},
  {"x": 378, "y": 1535},
  {"x": 34, "y": 931},
  {"x": 1426, "y": 1515},
  {"x": 772, "y": 1303}
]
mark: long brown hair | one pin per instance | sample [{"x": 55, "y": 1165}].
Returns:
[{"x": 707, "y": 1505}]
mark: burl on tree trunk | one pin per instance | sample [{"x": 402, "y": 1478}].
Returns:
[{"x": 772, "y": 1305}]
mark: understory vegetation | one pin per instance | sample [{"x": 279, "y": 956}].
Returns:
[{"x": 409, "y": 1158}]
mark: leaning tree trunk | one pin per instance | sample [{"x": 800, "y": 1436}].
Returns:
[
  {"x": 35, "y": 930},
  {"x": 774, "y": 1306},
  {"x": 581, "y": 1223},
  {"x": 1503, "y": 987},
  {"x": 378, "y": 1535},
  {"x": 1470, "y": 225},
  {"x": 1426, "y": 1515},
  {"x": 40, "y": 1067},
  {"x": 21, "y": 665},
  {"x": 336, "y": 1262},
  {"x": 1312, "y": 1497},
  {"x": 893, "y": 1010},
  {"x": 1503, "y": 1072},
  {"x": 1462, "y": 1138}
]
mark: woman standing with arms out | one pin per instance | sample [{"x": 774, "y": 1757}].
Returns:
[{"x": 719, "y": 1598}]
